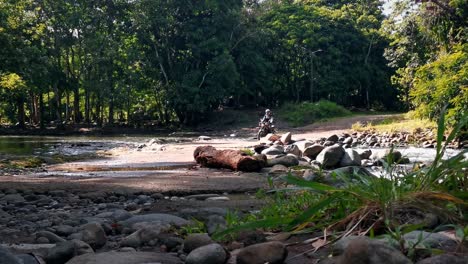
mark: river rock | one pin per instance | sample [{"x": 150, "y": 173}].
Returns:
[
  {"x": 366, "y": 154},
  {"x": 431, "y": 240},
  {"x": 312, "y": 151},
  {"x": 203, "y": 213},
  {"x": 288, "y": 161},
  {"x": 310, "y": 175},
  {"x": 293, "y": 149},
  {"x": 273, "y": 150},
  {"x": 259, "y": 148},
  {"x": 348, "y": 141},
  {"x": 444, "y": 259},
  {"x": 215, "y": 223},
  {"x": 51, "y": 237},
  {"x": 64, "y": 251},
  {"x": 209, "y": 254},
  {"x": 194, "y": 241},
  {"x": 350, "y": 158},
  {"x": 333, "y": 138},
  {"x": 269, "y": 252},
  {"x": 13, "y": 198},
  {"x": 125, "y": 258},
  {"x": 144, "y": 235},
  {"x": 302, "y": 145},
  {"x": 94, "y": 235},
  {"x": 6, "y": 257},
  {"x": 330, "y": 156},
  {"x": 64, "y": 230},
  {"x": 357, "y": 249},
  {"x": 159, "y": 218},
  {"x": 286, "y": 138},
  {"x": 278, "y": 169},
  {"x": 387, "y": 154}
]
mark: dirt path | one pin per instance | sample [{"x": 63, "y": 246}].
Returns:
[{"x": 167, "y": 168}]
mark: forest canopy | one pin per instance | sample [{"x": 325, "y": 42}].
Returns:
[{"x": 105, "y": 62}]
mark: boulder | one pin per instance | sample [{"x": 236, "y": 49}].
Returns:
[
  {"x": 302, "y": 145},
  {"x": 269, "y": 138},
  {"x": 209, "y": 254},
  {"x": 350, "y": 158},
  {"x": 333, "y": 138},
  {"x": 125, "y": 258},
  {"x": 288, "y": 161},
  {"x": 194, "y": 241},
  {"x": 278, "y": 169},
  {"x": 387, "y": 154},
  {"x": 312, "y": 151},
  {"x": 330, "y": 157},
  {"x": 366, "y": 154},
  {"x": 273, "y": 150},
  {"x": 270, "y": 252},
  {"x": 94, "y": 235},
  {"x": 293, "y": 149},
  {"x": 259, "y": 148},
  {"x": 13, "y": 198},
  {"x": 286, "y": 138}
]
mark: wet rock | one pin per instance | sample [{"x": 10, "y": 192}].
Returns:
[
  {"x": 273, "y": 150},
  {"x": 357, "y": 249},
  {"x": 431, "y": 240},
  {"x": 330, "y": 156},
  {"x": 159, "y": 218},
  {"x": 349, "y": 173},
  {"x": 194, "y": 241},
  {"x": 444, "y": 259},
  {"x": 202, "y": 138},
  {"x": 65, "y": 251},
  {"x": 125, "y": 258},
  {"x": 219, "y": 198},
  {"x": 286, "y": 138},
  {"x": 30, "y": 259},
  {"x": 269, "y": 252},
  {"x": 172, "y": 242},
  {"x": 312, "y": 151},
  {"x": 366, "y": 154},
  {"x": 350, "y": 158},
  {"x": 288, "y": 161},
  {"x": 94, "y": 235},
  {"x": 348, "y": 140},
  {"x": 209, "y": 254}
]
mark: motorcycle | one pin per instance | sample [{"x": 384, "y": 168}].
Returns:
[{"x": 265, "y": 128}]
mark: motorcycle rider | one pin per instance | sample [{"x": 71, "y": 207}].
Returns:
[{"x": 268, "y": 117}]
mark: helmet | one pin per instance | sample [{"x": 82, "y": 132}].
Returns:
[{"x": 267, "y": 111}]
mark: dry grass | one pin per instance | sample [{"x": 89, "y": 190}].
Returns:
[{"x": 399, "y": 123}]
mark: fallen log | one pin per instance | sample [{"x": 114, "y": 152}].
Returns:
[{"x": 209, "y": 156}]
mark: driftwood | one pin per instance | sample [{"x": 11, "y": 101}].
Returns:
[{"x": 209, "y": 156}]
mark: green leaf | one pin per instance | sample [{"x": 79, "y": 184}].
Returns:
[{"x": 309, "y": 184}]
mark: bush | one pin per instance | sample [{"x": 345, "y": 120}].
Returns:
[{"x": 307, "y": 112}]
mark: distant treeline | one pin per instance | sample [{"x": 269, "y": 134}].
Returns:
[{"x": 123, "y": 61}]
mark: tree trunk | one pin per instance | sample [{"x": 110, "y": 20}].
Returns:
[
  {"x": 208, "y": 156},
  {"x": 20, "y": 105},
  {"x": 76, "y": 104},
  {"x": 41, "y": 110}
]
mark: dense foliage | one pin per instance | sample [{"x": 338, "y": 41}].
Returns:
[{"x": 103, "y": 62}]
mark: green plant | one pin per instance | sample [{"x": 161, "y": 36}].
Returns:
[
  {"x": 196, "y": 227},
  {"x": 248, "y": 152}
]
